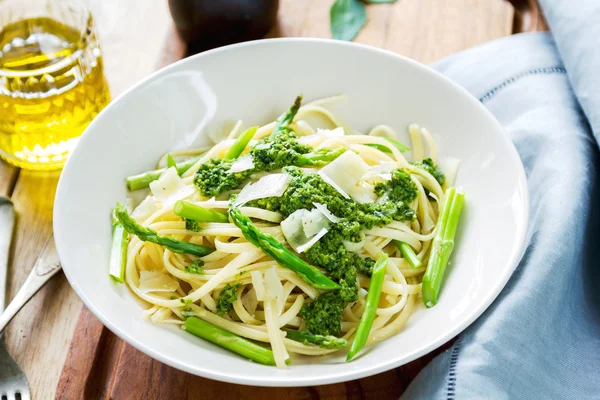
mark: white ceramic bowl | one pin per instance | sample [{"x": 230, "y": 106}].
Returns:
[{"x": 176, "y": 107}]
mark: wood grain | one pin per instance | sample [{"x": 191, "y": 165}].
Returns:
[
  {"x": 8, "y": 177},
  {"x": 92, "y": 360},
  {"x": 40, "y": 333},
  {"x": 140, "y": 377},
  {"x": 425, "y": 30}
]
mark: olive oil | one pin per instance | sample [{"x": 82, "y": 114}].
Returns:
[{"x": 51, "y": 86}]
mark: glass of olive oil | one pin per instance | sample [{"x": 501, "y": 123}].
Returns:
[{"x": 51, "y": 80}]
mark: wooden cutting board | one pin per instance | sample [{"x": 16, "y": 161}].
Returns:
[{"x": 100, "y": 366}]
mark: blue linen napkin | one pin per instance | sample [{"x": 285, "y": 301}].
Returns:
[
  {"x": 540, "y": 339},
  {"x": 576, "y": 29}
]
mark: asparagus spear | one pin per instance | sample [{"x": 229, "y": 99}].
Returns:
[
  {"x": 287, "y": 117},
  {"x": 326, "y": 342},
  {"x": 150, "y": 235},
  {"x": 442, "y": 246},
  {"x": 171, "y": 161},
  {"x": 319, "y": 157},
  {"x": 193, "y": 212},
  {"x": 400, "y": 146},
  {"x": 143, "y": 180},
  {"x": 118, "y": 251},
  {"x": 240, "y": 144},
  {"x": 228, "y": 340},
  {"x": 370, "y": 309},
  {"x": 409, "y": 254},
  {"x": 284, "y": 257}
]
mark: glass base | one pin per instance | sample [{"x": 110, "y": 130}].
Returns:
[{"x": 34, "y": 166}]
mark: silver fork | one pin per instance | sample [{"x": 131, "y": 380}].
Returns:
[{"x": 13, "y": 382}]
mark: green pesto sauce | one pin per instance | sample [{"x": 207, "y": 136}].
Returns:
[
  {"x": 195, "y": 267},
  {"x": 323, "y": 316},
  {"x": 400, "y": 188},
  {"x": 276, "y": 152},
  {"x": 226, "y": 298},
  {"x": 273, "y": 152},
  {"x": 193, "y": 226},
  {"x": 428, "y": 165},
  {"x": 282, "y": 150}
]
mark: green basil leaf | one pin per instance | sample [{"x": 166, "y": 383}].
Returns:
[{"x": 347, "y": 17}]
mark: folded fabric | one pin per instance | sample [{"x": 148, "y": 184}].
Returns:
[
  {"x": 576, "y": 29},
  {"x": 540, "y": 339}
]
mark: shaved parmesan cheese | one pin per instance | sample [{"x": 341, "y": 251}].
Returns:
[
  {"x": 187, "y": 192},
  {"x": 272, "y": 185},
  {"x": 313, "y": 221},
  {"x": 263, "y": 146},
  {"x": 293, "y": 229},
  {"x": 363, "y": 193},
  {"x": 344, "y": 172},
  {"x": 332, "y": 183},
  {"x": 167, "y": 185},
  {"x": 380, "y": 172},
  {"x": 250, "y": 301},
  {"x": 312, "y": 241},
  {"x": 326, "y": 212},
  {"x": 304, "y": 228},
  {"x": 273, "y": 287},
  {"x": 259, "y": 287},
  {"x": 154, "y": 281},
  {"x": 243, "y": 163},
  {"x": 449, "y": 166},
  {"x": 362, "y": 293},
  {"x": 145, "y": 209}
]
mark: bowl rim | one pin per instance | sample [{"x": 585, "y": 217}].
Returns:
[{"x": 345, "y": 374}]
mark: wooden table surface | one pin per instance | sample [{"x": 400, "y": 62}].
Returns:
[{"x": 133, "y": 35}]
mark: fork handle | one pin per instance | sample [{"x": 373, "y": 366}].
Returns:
[
  {"x": 46, "y": 266},
  {"x": 7, "y": 224}
]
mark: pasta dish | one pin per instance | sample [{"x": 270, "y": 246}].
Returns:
[{"x": 291, "y": 238}]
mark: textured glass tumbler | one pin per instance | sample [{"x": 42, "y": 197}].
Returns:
[{"x": 52, "y": 82}]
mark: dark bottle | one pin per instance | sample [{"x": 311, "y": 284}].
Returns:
[{"x": 206, "y": 24}]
